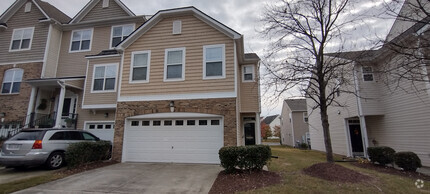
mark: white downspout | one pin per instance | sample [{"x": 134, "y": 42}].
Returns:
[
  {"x": 361, "y": 116},
  {"x": 257, "y": 121}
]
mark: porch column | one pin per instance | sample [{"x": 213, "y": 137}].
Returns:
[
  {"x": 30, "y": 108},
  {"x": 257, "y": 124},
  {"x": 60, "y": 105},
  {"x": 363, "y": 128}
]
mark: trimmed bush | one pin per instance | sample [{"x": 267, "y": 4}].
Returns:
[
  {"x": 303, "y": 146},
  {"x": 383, "y": 155},
  {"x": 244, "y": 157},
  {"x": 85, "y": 152},
  {"x": 409, "y": 161}
]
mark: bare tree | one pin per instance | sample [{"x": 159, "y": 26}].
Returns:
[
  {"x": 408, "y": 42},
  {"x": 303, "y": 32}
]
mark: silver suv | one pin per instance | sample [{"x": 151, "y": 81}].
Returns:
[{"x": 34, "y": 147}]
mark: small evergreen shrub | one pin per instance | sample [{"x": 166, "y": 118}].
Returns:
[
  {"x": 244, "y": 157},
  {"x": 303, "y": 146},
  {"x": 383, "y": 155},
  {"x": 409, "y": 161},
  {"x": 85, "y": 152}
]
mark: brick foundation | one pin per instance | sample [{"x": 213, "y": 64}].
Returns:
[
  {"x": 225, "y": 107},
  {"x": 15, "y": 105}
]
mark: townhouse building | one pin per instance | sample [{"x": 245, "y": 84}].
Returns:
[{"x": 172, "y": 87}]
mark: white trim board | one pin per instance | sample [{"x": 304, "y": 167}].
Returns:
[
  {"x": 99, "y": 106},
  {"x": 178, "y": 96}
]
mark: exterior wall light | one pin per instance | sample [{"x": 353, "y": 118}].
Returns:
[{"x": 172, "y": 106}]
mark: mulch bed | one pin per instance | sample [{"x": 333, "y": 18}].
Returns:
[
  {"x": 85, "y": 167},
  {"x": 244, "y": 181},
  {"x": 335, "y": 172},
  {"x": 391, "y": 170}
]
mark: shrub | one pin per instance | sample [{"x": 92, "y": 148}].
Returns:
[
  {"x": 85, "y": 152},
  {"x": 303, "y": 146},
  {"x": 383, "y": 154},
  {"x": 409, "y": 161},
  {"x": 244, "y": 157}
]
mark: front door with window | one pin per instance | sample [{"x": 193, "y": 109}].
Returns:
[
  {"x": 356, "y": 139},
  {"x": 249, "y": 133}
]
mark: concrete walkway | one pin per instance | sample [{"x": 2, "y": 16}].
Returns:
[{"x": 136, "y": 178}]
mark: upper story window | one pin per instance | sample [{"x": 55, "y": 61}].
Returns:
[
  {"x": 21, "y": 39},
  {"x": 140, "y": 66},
  {"x": 81, "y": 40},
  {"x": 174, "y": 64},
  {"x": 248, "y": 73},
  {"x": 305, "y": 117},
  {"x": 104, "y": 78},
  {"x": 214, "y": 61},
  {"x": 367, "y": 73},
  {"x": 12, "y": 81},
  {"x": 119, "y": 33}
]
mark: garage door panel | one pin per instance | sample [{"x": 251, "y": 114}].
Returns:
[{"x": 183, "y": 144}]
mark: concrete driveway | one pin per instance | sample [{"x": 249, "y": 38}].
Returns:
[{"x": 136, "y": 178}]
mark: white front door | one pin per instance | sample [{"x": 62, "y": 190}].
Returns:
[{"x": 179, "y": 140}]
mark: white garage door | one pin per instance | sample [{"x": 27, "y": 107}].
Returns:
[
  {"x": 102, "y": 129},
  {"x": 174, "y": 139}
]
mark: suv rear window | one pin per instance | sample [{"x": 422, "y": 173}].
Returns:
[{"x": 28, "y": 135}]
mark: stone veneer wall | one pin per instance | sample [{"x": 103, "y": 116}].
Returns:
[
  {"x": 15, "y": 105},
  {"x": 223, "y": 106}
]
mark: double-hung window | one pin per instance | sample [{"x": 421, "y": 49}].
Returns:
[
  {"x": 214, "y": 61},
  {"x": 12, "y": 81},
  {"x": 367, "y": 73},
  {"x": 81, "y": 40},
  {"x": 174, "y": 64},
  {"x": 104, "y": 77},
  {"x": 119, "y": 33},
  {"x": 21, "y": 39},
  {"x": 140, "y": 61},
  {"x": 248, "y": 73}
]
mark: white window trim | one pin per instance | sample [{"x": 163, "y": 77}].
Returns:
[
  {"x": 253, "y": 73},
  {"x": 223, "y": 61},
  {"x": 91, "y": 40},
  {"x": 13, "y": 76},
  {"x": 87, "y": 123},
  {"x": 362, "y": 74},
  {"x": 31, "y": 40},
  {"x": 183, "y": 64},
  {"x": 131, "y": 81},
  {"x": 94, "y": 73},
  {"x": 111, "y": 34}
]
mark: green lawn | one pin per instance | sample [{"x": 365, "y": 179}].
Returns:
[{"x": 291, "y": 162}]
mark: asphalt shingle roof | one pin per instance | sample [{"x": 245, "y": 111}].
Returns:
[{"x": 297, "y": 104}]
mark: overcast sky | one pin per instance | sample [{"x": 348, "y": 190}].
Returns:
[{"x": 241, "y": 15}]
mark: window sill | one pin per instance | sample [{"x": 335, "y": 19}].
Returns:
[
  {"x": 213, "y": 77},
  {"x": 173, "y": 80},
  {"x": 8, "y": 94},
  {"x": 138, "y": 82},
  {"x": 18, "y": 50},
  {"x": 102, "y": 91},
  {"x": 79, "y": 51}
]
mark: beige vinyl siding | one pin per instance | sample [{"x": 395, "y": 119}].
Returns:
[
  {"x": 99, "y": 13},
  {"x": 249, "y": 94},
  {"x": 369, "y": 93},
  {"x": 405, "y": 124},
  {"x": 24, "y": 20},
  {"x": 79, "y": 83},
  {"x": 286, "y": 126},
  {"x": 90, "y": 115},
  {"x": 52, "y": 57},
  {"x": 75, "y": 63},
  {"x": 195, "y": 35},
  {"x": 336, "y": 121},
  {"x": 300, "y": 127},
  {"x": 105, "y": 97}
]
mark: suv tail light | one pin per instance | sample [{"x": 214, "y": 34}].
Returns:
[{"x": 37, "y": 144}]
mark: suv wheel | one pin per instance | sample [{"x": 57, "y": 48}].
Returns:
[{"x": 55, "y": 160}]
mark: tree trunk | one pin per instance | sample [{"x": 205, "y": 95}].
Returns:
[{"x": 326, "y": 132}]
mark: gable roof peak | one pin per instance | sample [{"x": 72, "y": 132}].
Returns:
[
  {"x": 91, "y": 4},
  {"x": 49, "y": 11}
]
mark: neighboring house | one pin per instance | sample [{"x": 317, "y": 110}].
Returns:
[
  {"x": 294, "y": 122},
  {"x": 172, "y": 88},
  {"x": 272, "y": 121},
  {"x": 383, "y": 113}
]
